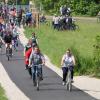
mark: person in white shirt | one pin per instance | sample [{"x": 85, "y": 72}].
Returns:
[
  {"x": 56, "y": 22},
  {"x": 68, "y": 60}
]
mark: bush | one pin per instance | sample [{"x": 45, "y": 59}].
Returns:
[
  {"x": 83, "y": 65},
  {"x": 80, "y": 7},
  {"x": 93, "y": 9},
  {"x": 97, "y": 56},
  {"x": 97, "y": 52}
]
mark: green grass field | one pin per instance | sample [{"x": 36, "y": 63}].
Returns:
[
  {"x": 55, "y": 43},
  {"x": 2, "y": 94}
]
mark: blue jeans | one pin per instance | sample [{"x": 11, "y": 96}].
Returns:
[
  {"x": 36, "y": 69},
  {"x": 65, "y": 71}
]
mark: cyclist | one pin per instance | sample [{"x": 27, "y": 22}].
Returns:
[
  {"x": 34, "y": 39},
  {"x": 68, "y": 60},
  {"x": 28, "y": 18},
  {"x": 27, "y": 56},
  {"x": 8, "y": 40},
  {"x": 36, "y": 59}
]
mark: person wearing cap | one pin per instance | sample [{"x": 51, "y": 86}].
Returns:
[{"x": 68, "y": 60}]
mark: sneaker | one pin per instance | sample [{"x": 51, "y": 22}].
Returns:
[
  {"x": 34, "y": 83},
  {"x": 41, "y": 78},
  {"x": 26, "y": 68},
  {"x": 64, "y": 83},
  {"x": 72, "y": 81}
]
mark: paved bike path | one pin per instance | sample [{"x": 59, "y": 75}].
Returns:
[{"x": 50, "y": 88}]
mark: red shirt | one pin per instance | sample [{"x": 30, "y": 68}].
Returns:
[{"x": 27, "y": 55}]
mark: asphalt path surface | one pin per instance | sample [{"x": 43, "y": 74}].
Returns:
[{"x": 50, "y": 88}]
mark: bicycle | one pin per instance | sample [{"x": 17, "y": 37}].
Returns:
[
  {"x": 74, "y": 27},
  {"x": 38, "y": 75},
  {"x": 69, "y": 83},
  {"x": 8, "y": 52}
]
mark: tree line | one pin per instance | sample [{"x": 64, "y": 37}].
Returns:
[
  {"x": 19, "y": 2},
  {"x": 79, "y": 7}
]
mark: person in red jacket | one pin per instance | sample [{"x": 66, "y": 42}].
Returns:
[{"x": 27, "y": 56}]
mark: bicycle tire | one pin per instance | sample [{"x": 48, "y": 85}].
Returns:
[
  {"x": 69, "y": 84},
  {"x": 8, "y": 58},
  {"x": 70, "y": 87},
  {"x": 34, "y": 81},
  {"x": 37, "y": 84}
]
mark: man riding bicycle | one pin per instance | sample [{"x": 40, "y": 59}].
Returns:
[
  {"x": 36, "y": 58},
  {"x": 8, "y": 40}
]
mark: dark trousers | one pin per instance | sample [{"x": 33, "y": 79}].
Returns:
[
  {"x": 65, "y": 71},
  {"x": 29, "y": 70},
  {"x": 56, "y": 26}
]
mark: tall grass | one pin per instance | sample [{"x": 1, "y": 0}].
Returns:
[{"x": 54, "y": 43}]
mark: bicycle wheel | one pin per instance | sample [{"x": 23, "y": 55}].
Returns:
[
  {"x": 37, "y": 83},
  {"x": 8, "y": 58},
  {"x": 34, "y": 81},
  {"x": 7, "y": 54},
  {"x": 70, "y": 86}
]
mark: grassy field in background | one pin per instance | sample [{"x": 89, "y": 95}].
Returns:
[
  {"x": 55, "y": 43},
  {"x": 2, "y": 94}
]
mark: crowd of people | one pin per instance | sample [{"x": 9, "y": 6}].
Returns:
[
  {"x": 9, "y": 35},
  {"x": 64, "y": 21},
  {"x": 33, "y": 57}
]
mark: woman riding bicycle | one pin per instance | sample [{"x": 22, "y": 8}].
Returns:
[{"x": 68, "y": 60}]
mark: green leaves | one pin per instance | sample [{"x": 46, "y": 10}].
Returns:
[{"x": 81, "y": 7}]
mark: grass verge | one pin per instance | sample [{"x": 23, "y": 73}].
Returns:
[
  {"x": 2, "y": 94},
  {"x": 54, "y": 43}
]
